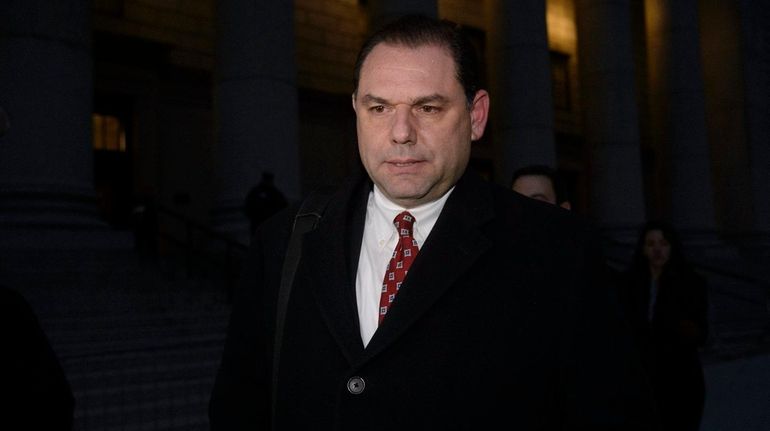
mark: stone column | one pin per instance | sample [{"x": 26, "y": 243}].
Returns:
[
  {"x": 256, "y": 105},
  {"x": 47, "y": 197},
  {"x": 610, "y": 114},
  {"x": 521, "y": 75},
  {"x": 679, "y": 109},
  {"x": 755, "y": 18},
  {"x": 727, "y": 113},
  {"x": 384, "y": 11}
]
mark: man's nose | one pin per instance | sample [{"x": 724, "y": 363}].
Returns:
[{"x": 403, "y": 128}]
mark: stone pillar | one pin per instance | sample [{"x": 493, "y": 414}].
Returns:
[
  {"x": 256, "y": 105},
  {"x": 47, "y": 197},
  {"x": 521, "y": 87},
  {"x": 755, "y": 18},
  {"x": 383, "y": 11},
  {"x": 679, "y": 113},
  {"x": 610, "y": 114},
  {"x": 727, "y": 113}
]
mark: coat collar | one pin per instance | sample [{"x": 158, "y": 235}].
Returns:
[
  {"x": 452, "y": 247},
  {"x": 332, "y": 251}
]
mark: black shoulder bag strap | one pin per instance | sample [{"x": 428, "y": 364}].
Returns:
[{"x": 307, "y": 219}]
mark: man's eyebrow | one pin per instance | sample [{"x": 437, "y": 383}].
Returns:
[
  {"x": 368, "y": 98},
  {"x": 433, "y": 98}
]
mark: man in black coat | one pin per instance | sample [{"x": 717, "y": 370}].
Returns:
[{"x": 503, "y": 318}]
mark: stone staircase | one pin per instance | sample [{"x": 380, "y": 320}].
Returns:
[
  {"x": 140, "y": 341},
  {"x": 146, "y": 372},
  {"x": 139, "y": 344}
]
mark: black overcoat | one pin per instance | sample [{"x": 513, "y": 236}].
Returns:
[
  {"x": 671, "y": 353},
  {"x": 505, "y": 321}
]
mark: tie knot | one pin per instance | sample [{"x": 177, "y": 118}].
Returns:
[{"x": 403, "y": 223}]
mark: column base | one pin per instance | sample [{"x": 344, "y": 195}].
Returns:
[
  {"x": 706, "y": 244},
  {"x": 54, "y": 217}
]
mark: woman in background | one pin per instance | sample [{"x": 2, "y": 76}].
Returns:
[{"x": 666, "y": 303}]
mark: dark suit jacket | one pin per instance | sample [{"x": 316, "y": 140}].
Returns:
[{"x": 503, "y": 319}]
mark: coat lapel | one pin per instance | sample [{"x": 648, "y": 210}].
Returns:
[
  {"x": 331, "y": 253},
  {"x": 453, "y": 245}
]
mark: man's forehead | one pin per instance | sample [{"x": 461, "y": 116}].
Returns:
[
  {"x": 412, "y": 46},
  {"x": 536, "y": 178},
  {"x": 408, "y": 72},
  {"x": 390, "y": 55},
  {"x": 534, "y": 185}
]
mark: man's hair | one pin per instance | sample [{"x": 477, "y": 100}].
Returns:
[
  {"x": 544, "y": 171},
  {"x": 414, "y": 31}
]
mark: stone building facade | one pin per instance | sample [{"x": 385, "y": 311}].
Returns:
[{"x": 650, "y": 108}]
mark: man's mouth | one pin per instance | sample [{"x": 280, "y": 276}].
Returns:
[{"x": 403, "y": 163}]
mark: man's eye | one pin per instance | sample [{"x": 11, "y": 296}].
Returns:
[
  {"x": 428, "y": 109},
  {"x": 379, "y": 109}
]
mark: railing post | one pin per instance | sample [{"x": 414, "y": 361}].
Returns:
[
  {"x": 229, "y": 273},
  {"x": 188, "y": 248},
  {"x": 766, "y": 335}
]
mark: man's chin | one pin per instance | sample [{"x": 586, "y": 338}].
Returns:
[{"x": 401, "y": 195}]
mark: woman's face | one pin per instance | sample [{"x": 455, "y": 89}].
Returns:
[{"x": 657, "y": 249}]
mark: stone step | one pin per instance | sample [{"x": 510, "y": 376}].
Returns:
[
  {"x": 106, "y": 329},
  {"x": 138, "y": 324},
  {"x": 142, "y": 385},
  {"x": 166, "y": 388},
  {"x": 83, "y": 349},
  {"x": 123, "y": 362},
  {"x": 99, "y": 299},
  {"x": 175, "y": 405},
  {"x": 116, "y": 334}
]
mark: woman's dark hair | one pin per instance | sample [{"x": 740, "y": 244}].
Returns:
[
  {"x": 677, "y": 260},
  {"x": 414, "y": 31}
]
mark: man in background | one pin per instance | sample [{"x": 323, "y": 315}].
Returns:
[{"x": 542, "y": 183}]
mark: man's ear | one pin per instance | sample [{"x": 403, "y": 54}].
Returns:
[
  {"x": 479, "y": 114},
  {"x": 353, "y": 99}
]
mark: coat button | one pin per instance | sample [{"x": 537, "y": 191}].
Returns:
[{"x": 356, "y": 385}]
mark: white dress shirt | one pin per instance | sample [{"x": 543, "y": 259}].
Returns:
[{"x": 379, "y": 241}]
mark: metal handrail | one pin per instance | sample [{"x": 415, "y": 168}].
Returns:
[{"x": 232, "y": 248}]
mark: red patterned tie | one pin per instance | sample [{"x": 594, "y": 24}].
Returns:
[{"x": 403, "y": 256}]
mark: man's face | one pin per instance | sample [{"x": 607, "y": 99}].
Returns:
[
  {"x": 414, "y": 124},
  {"x": 657, "y": 249},
  {"x": 536, "y": 187}
]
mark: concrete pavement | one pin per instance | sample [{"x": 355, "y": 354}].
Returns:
[{"x": 738, "y": 394}]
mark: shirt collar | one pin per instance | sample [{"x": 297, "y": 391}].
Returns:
[{"x": 384, "y": 211}]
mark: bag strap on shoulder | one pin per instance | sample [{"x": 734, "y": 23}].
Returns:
[{"x": 306, "y": 220}]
